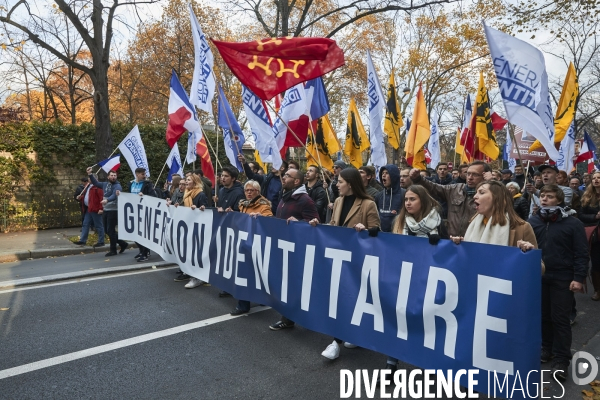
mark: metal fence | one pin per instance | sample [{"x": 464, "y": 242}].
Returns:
[{"x": 39, "y": 210}]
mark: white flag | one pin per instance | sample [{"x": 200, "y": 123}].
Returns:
[
  {"x": 293, "y": 108},
  {"x": 434, "y": 142},
  {"x": 566, "y": 153},
  {"x": 133, "y": 150},
  {"x": 175, "y": 156},
  {"x": 193, "y": 139},
  {"x": 512, "y": 162},
  {"x": 203, "y": 81},
  {"x": 521, "y": 73},
  {"x": 259, "y": 122},
  {"x": 376, "y": 116}
]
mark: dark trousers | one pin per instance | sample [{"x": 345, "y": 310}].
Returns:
[
  {"x": 143, "y": 250},
  {"x": 243, "y": 305},
  {"x": 557, "y": 303},
  {"x": 287, "y": 320},
  {"x": 110, "y": 219}
]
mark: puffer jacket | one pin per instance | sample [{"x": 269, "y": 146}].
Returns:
[{"x": 259, "y": 204}]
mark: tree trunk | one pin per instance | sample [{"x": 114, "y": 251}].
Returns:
[{"x": 104, "y": 141}]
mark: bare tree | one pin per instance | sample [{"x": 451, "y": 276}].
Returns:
[{"x": 93, "y": 21}]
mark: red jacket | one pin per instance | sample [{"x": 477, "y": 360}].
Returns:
[{"x": 94, "y": 201}]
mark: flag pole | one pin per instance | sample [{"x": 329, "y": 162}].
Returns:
[
  {"x": 208, "y": 141},
  {"x": 512, "y": 135},
  {"x": 312, "y": 132}
]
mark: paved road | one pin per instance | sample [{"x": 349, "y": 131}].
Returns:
[
  {"x": 86, "y": 338},
  {"x": 65, "y": 264}
]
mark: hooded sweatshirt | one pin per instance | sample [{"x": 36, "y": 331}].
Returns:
[
  {"x": 230, "y": 197},
  {"x": 391, "y": 199}
]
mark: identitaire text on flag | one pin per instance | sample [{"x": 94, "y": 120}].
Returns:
[{"x": 271, "y": 66}]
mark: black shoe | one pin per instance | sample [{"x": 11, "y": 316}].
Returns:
[
  {"x": 237, "y": 311},
  {"x": 99, "y": 245},
  {"x": 277, "y": 326},
  {"x": 182, "y": 277},
  {"x": 138, "y": 255},
  {"x": 80, "y": 243},
  {"x": 123, "y": 247},
  {"x": 224, "y": 294},
  {"x": 110, "y": 253},
  {"x": 546, "y": 355},
  {"x": 142, "y": 258},
  {"x": 559, "y": 370},
  {"x": 572, "y": 319},
  {"x": 388, "y": 367}
]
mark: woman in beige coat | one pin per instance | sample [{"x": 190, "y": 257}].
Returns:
[{"x": 353, "y": 209}]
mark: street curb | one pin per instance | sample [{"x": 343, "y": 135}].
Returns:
[
  {"x": 81, "y": 274},
  {"x": 63, "y": 251}
]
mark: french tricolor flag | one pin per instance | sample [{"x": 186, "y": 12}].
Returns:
[
  {"x": 587, "y": 152},
  {"x": 111, "y": 164},
  {"x": 182, "y": 115}
]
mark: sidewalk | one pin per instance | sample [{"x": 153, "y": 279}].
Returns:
[{"x": 18, "y": 246}]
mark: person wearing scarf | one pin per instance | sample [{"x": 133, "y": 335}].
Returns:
[
  {"x": 353, "y": 209},
  {"x": 254, "y": 204},
  {"x": 193, "y": 197},
  {"x": 565, "y": 253},
  {"x": 496, "y": 221}
]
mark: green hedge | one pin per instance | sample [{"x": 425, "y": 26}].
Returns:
[{"x": 69, "y": 147}]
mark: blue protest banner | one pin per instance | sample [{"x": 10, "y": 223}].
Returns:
[{"x": 445, "y": 307}]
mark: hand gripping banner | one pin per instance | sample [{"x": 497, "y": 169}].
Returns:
[{"x": 445, "y": 306}]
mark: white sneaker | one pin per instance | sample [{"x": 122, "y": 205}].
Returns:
[
  {"x": 193, "y": 283},
  {"x": 349, "y": 345},
  {"x": 332, "y": 351}
]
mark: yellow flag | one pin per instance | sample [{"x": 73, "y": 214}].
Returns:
[
  {"x": 418, "y": 134},
  {"x": 357, "y": 140},
  {"x": 258, "y": 160},
  {"x": 565, "y": 112},
  {"x": 326, "y": 144},
  {"x": 393, "y": 117},
  {"x": 484, "y": 130},
  {"x": 458, "y": 148}
]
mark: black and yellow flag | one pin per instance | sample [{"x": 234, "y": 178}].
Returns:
[
  {"x": 393, "y": 117},
  {"x": 484, "y": 130},
  {"x": 357, "y": 140},
  {"x": 325, "y": 145}
]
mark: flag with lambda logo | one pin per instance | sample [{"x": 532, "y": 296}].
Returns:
[
  {"x": 393, "y": 117},
  {"x": 357, "y": 140},
  {"x": 565, "y": 112},
  {"x": 324, "y": 145},
  {"x": 484, "y": 129},
  {"x": 271, "y": 66}
]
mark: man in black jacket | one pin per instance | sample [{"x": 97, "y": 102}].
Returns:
[
  {"x": 314, "y": 187},
  {"x": 565, "y": 254},
  {"x": 270, "y": 184},
  {"x": 231, "y": 192}
]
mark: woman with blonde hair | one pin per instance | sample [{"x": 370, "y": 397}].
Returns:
[
  {"x": 254, "y": 204},
  {"x": 194, "y": 198},
  {"x": 589, "y": 214}
]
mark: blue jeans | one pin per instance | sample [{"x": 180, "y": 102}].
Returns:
[{"x": 87, "y": 220}]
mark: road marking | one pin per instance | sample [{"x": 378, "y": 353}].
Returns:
[
  {"x": 23, "y": 369},
  {"x": 79, "y": 280}
]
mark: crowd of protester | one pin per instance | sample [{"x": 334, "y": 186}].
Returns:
[{"x": 541, "y": 208}]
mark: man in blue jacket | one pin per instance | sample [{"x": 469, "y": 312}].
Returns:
[
  {"x": 391, "y": 199},
  {"x": 110, "y": 213},
  {"x": 565, "y": 254}
]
